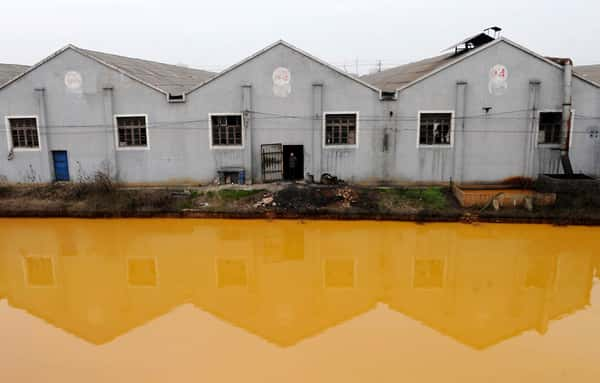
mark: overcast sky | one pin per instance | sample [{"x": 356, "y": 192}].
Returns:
[{"x": 213, "y": 35}]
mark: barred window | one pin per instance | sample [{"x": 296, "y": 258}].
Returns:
[
  {"x": 24, "y": 133},
  {"x": 340, "y": 129},
  {"x": 226, "y": 130},
  {"x": 550, "y": 125},
  {"x": 435, "y": 128},
  {"x": 132, "y": 131}
]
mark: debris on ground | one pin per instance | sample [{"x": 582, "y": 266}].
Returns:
[
  {"x": 298, "y": 197},
  {"x": 266, "y": 201},
  {"x": 97, "y": 198},
  {"x": 328, "y": 179},
  {"x": 348, "y": 196}
]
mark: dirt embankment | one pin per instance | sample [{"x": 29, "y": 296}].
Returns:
[{"x": 102, "y": 198}]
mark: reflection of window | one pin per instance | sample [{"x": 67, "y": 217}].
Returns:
[
  {"x": 39, "y": 271},
  {"x": 539, "y": 268},
  {"x": 232, "y": 273},
  {"x": 339, "y": 272},
  {"x": 283, "y": 248},
  {"x": 142, "y": 272},
  {"x": 428, "y": 273}
]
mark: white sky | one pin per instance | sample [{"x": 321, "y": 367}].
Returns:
[{"x": 217, "y": 34}]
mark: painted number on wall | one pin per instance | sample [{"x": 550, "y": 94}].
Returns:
[
  {"x": 498, "y": 84},
  {"x": 73, "y": 80},
  {"x": 282, "y": 79}
]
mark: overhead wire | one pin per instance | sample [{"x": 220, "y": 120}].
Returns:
[{"x": 192, "y": 124}]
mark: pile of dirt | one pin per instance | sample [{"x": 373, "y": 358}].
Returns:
[
  {"x": 305, "y": 198},
  {"x": 366, "y": 199}
]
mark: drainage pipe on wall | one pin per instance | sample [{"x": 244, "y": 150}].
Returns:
[{"x": 567, "y": 111}]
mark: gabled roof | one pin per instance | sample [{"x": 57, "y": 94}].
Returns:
[
  {"x": 165, "y": 78},
  {"x": 590, "y": 72},
  {"x": 94, "y": 333},
  {"x": 295, "y": 49},
  {"x": 173, "y": 79},
  {"x": 268, "y": 326},
  {"x": 397, "y": 77},
  {"x": 10, "y": 71},
  {"x": 404, "y": 76}
]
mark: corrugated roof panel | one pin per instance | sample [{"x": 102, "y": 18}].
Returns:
[
  {"x": 590, "y": 72},
  {"x": 10, "y": 71},
  {"x": 391, "y": 79},
  {"x": 172, "y": 79}
]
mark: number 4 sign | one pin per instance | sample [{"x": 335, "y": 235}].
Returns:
[{"x": 498, "y": 84}]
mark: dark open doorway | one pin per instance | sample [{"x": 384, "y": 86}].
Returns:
[{"x": 293, "y": 162}]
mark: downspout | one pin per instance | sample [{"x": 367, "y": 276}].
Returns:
[{"x": 567, "y": 116}]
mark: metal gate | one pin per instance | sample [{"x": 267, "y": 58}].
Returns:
[{"x": 272, "y": 162}]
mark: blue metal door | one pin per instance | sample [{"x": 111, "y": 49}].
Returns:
[{"x": 61, "y": 165}]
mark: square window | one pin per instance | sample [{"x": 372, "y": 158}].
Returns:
[
  {"x": 24, "y": 132},
  {"x": 435, "y": 129},
  {"x": 226, "y": 130},
  {"x": 340, "y": 129},
  {"x": 132, "y": 131},
  {"x": 550, "y": 126}
]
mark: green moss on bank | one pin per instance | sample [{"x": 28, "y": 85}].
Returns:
[
  {"x": 427, "y": 198},
  {"x": 236, "y": 194}
]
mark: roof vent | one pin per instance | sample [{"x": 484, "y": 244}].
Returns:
[
  {"x": 476, "y": 41},
  {"x": 388, "y": 96},
  {"x": 176, "y": 97},
  {"x": 493, "y": 32}
]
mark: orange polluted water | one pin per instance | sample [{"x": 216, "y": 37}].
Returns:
[{"x": 284, "y": 301}]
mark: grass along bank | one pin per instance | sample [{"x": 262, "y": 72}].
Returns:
[{"x": 100, "y": 197}]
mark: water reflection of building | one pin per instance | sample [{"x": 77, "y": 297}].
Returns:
[
  {"x": 3, "y": 280},
  {"x": 287, "y": 281},
  {"x": 100, "y": 285},
  {"x": 483, "y": 289}
]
